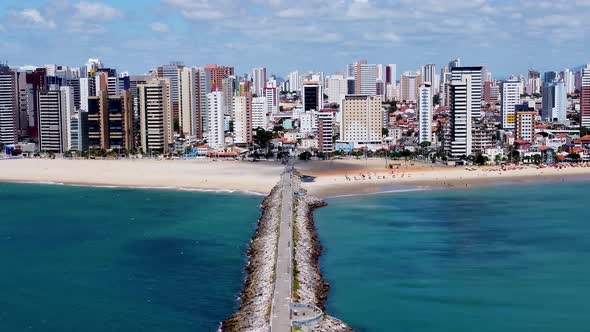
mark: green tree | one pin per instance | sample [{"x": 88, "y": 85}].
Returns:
[
  {"x": 262, "y": 137},
  {"x": 435, "y": 100},
  {"x": 305, "y": 155},
  {"x": 480, "y": 159}
]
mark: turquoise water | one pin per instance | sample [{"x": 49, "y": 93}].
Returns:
[
  {"x": 507, "y": 258},
  {"x": 100, "y": 259}
]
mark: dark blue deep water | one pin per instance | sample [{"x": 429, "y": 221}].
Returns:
[
  {"x": 506, "y": 258},
  {"x": 108, "y": 259}
]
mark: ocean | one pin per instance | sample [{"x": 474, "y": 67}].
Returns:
[
  {"x": 502, "y": 258},
  {"x": 115, "y": 259}
]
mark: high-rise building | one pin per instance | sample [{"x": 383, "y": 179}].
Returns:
[
  {"x": 272, "y": 99},
  {"x": 78, "y": 136},
  {"x": 294, "y": 81},
  {"x": 337, "y": 88},
  {"x": 259, "y": 113},
  {"x": 362, "y": 120},
  {"x": 216, "y": 74},
  {"x": 390, "y": 74},
  {"x": 110, "y": 121},
  {"x": 242, "y": 109},
  {"x": 313, "y": 96},
  {"x": 549, "y": 77},
  {"x": 52, "y": 122},
  {"x": 155, "y": 112},
  {"x": 325, "y": 124},
  {"x": 259, "y": 80},
  {"x": 569, "y": 80},
  {"x": 68, "y": 110},
  {"x": 8, "y": 106},
  {"x": 203, "y": 88},
  {"x": 171, "y": 72},
  {"x": 410, "y": 82},
  {"x": 458, "y": 73},
  {"x": 585, "y": 97},
  {"x": 366, "y": 79},
  {"x": 229, "y": 91},
  {"x": 189, "y": 122},
  {"x": 425, "y": 113},
  {"x": 554, "y": 102},
  {"x": 525, "y": 124},
  {"x": 428, "y": 74},
  {"x": 510, "y": 97},
  {"x": 36, "y": 81},
  {"x": 455, "y": 63},
  {"x": 216, "y": 133},
  {"x": 461, "y": 94}
]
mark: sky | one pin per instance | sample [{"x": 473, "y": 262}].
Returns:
[{"x": 510, "y": 37}]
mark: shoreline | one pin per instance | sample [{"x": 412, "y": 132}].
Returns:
[
  {"x": 335, "y": 185},
  {"x": 106, "y": 186},
  {"x": 198, "y": 175}
]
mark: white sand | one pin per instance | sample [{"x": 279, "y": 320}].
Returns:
[
  {"x": 257, "y": 177},
  {"x": 334, "y": 182},
  {"x": 261, "y": 176}
]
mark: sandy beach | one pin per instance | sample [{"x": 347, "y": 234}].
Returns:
[
  {"x": 325, "y": 178},
  {"x": 348, "y": 177},
  {"x": 257, "y": 177}
]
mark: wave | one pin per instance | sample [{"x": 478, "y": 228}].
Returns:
[
  {"x": 218, "y": 191},
  {"x": 386, "y": 192}
]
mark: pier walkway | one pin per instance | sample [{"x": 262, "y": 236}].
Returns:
[{"x": 281, "y": 303}]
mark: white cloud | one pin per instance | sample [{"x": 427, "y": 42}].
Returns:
[
  {"x": 97, "y": 11},
  {"x": 34, "y": 16},
  {"x": 291, "y": 13},
  {"x": 159, "y": 27},
  {"x": 202, "y": 9}
]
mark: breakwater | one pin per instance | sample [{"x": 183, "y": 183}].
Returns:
[
  {"x": 309, "y": 287},
  {"x": 256, "y": 296}
]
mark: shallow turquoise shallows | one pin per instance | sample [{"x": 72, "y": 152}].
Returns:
[
  {"x": 108, "y": 259},
  {"x": 506, "y": 258}
]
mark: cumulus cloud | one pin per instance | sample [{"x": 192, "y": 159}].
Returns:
[
  {"x": 202, "y": 9},
  {"x": 97, "y": 10},
  {"x": 159, "y": 27},
  {"x": 34, "y": 16}
]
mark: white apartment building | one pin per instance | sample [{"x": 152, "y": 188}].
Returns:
[
  {"x": 258, "y": 80},
  {"x": 308, "y": 124},
  {"x": 8, "y": 106},
  {"x": 216, "y": 133},
  {"x": 510, "y": 97},
  {"x": 368, "y": 79},
  {"x": 337, "y": 88},
  {"x": 259, "y": 113},
  {"x": 476, "y": 88},
  {"x": 461, "y": 93},
  {"x": 425, "y": 113},
  {"x": 362, "y": 120}
]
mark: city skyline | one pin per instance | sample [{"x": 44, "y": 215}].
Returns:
[{"x": 312, "y": 36}]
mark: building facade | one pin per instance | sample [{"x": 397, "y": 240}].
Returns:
[
  {"x": 155, "y": 116},
  {"x": 510, "y": 97},
  {"x": 361, "y": 123},
  {"x": 425, "y": 113}
]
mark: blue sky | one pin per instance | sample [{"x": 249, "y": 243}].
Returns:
[{"x": 509, "y": 36}]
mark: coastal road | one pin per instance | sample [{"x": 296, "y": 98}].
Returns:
[{"x": 281, "y": 303}]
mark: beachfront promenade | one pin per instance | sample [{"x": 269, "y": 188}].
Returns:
[{"x": 281, "y": 303}]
